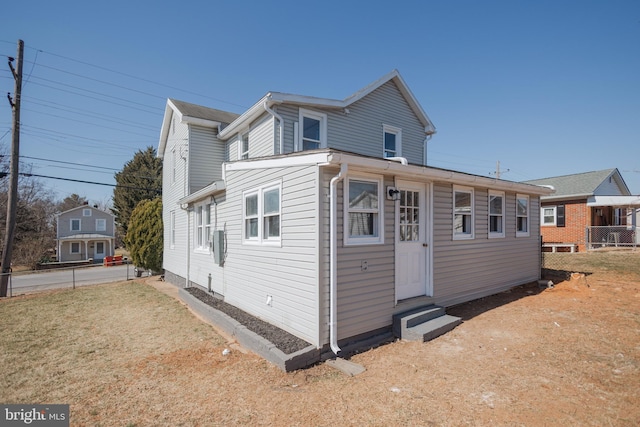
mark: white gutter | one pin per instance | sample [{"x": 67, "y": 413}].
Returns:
[
  {"x": 280, "y": 122},
  {"x": 333, "y": 280}
]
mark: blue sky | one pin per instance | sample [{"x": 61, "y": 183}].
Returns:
[{"x": 545, "y": 87}]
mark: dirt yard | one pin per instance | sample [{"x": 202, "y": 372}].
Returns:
[{"x": 129, "y": 355}]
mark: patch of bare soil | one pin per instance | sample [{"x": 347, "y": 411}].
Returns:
[{"x": 569, "y": 355}]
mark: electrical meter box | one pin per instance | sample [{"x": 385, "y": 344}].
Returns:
[{"x": 218, "y": 246}]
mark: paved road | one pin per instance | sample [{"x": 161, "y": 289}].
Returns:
[{"x": 69, "y": 277}]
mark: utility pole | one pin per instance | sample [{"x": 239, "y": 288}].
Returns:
[
  {"x": 12, "y": 199},
  {"x": 497, "y": 172}
]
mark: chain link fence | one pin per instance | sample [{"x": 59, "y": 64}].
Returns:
[{"x": 607, "y": 259}]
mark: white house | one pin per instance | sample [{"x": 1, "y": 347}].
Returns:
[{"x": 321, "y": 217}]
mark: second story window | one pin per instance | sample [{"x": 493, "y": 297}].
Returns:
[
  {"x": 101, "y": 224},
  {"x": 312, "y": 132},
  {"x": 75, "y": 225},
  {"x": 244, "y": 147},
  {"x": 392, "y": 141}
]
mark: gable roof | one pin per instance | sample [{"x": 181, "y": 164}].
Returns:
[
  {"x": 191, "y": 114},
  {"x": 580, "y": 185},
  {"x": 84, "y": 207},
  {"x": 273, "y": 98}
]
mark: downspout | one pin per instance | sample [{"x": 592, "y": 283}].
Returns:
[
  {"x": 333, "y": 279},
  {"x": 426, "y": 140},
  {"x": 280, "y": 124}
]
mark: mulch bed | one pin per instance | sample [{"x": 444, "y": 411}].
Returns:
[{"x": 283, "y": 340}]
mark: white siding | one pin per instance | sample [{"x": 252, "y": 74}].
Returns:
[
  {"x": 174, "y": 259},
  {"x": 206, "y": 155},
  {"x": 469, "y": 269},
  {"x": 289, "y": 274}
]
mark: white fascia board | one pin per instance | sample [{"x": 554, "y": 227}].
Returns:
[
  {"x": 164, "y": 130},
  {"x": 213, "y": 188},
  {"x": 284, "y": 161},
  {"x": 199, "y": 122},
  {"x": 307, "y": 100},
  {"x": 247, "y": 117},
  {"x": 620, "y": 201}
]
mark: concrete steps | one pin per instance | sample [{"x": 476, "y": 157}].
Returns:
[{"x": 424, "y": 323}]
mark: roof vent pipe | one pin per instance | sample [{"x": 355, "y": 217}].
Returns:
[{"x": 402, "y": 160}]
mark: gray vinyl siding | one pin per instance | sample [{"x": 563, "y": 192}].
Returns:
[
  {"x": 610, "y": 187},
  {"x": 206, "y": 155},
  {"x": 261, "y": 137},
  {"x": 360, "y": 130},
  {"x": 469, "y": 269},
  {"x": 366, "y": 299},
  {"x": 288, "y": 273},
  {"x": 174, "y": 259},
  {"x": 87, "y": 223}
]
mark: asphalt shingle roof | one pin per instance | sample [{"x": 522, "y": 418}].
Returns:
[
  {"x": 200, "y": 112},
  {"x": 577, "y": 184}
]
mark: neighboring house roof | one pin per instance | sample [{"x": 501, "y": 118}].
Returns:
[
  {"x": 274, "y": 98},
  {"x": 581, "y": 185},
  {"x": 191, "y": 114},
  {"x": 83, "y": 207}
]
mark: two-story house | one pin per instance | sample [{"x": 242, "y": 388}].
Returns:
[
  {"x": 321, "y": 217},
  {"x": 85, "y": 233}
]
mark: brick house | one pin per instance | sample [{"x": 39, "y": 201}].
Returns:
[{"x": 587, "y": 210}]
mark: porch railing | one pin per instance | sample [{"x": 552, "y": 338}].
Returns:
[{"x": 616, "y": 236}]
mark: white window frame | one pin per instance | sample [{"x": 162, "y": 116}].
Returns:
[
  {"x": 496, "y": 234},
  {"x": 174, "y": 165},
  {"x": 202, "y": 236},
  {"x": 542, "y": 216},
  {"x": 172, "y": 236},
  {"x": 262, "y": 217},
  {"x": 86, "y": 212},
  {"x": 392, "y": 130},
  {"x": 242, "y": 153},
  {"x": 378, "y": 223},
  {"x": 101, "y": 224},
  {"x": 322, "y": 142},
  {"x": 71, "y": 251},
  {"x": 519, "y": 231},
  {"x": 461, "y": 235},
  {"x": 79, "y": 221}
]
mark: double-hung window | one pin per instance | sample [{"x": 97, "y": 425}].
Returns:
[
  {"x": 75, "y": 247},
  {"x": 243, "y": 146},
  {"x": 101, "y": 224},
  {"x": 522, "y": 215},
  {"x": 462, "y": 213},
  {"x": 203, "y": 227},
  {"x": 312, "y": 132},
  {"x": 496, "y": 214},
  {"x": 548, "y": 215},
  {"x": 75, "y": 224},
  {"x": 262, "y": 210},
  {"x": 363, "y": 211},
  {"x": 392, "y": 141}
]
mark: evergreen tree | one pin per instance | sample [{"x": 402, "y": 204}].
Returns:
[
  {"x": 140, "y": 179},
  {"x": 145, "y": 238},
  {"x": 72, "y": 201}
]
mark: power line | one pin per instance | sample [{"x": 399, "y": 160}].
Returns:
[
  {"x": 90, "y": 182},
  {"x": 68, "y": 163}
]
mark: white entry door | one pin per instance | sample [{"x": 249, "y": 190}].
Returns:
[
  {"x": 411, "y": 241},
  {"x": 98, "y": 251}
]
